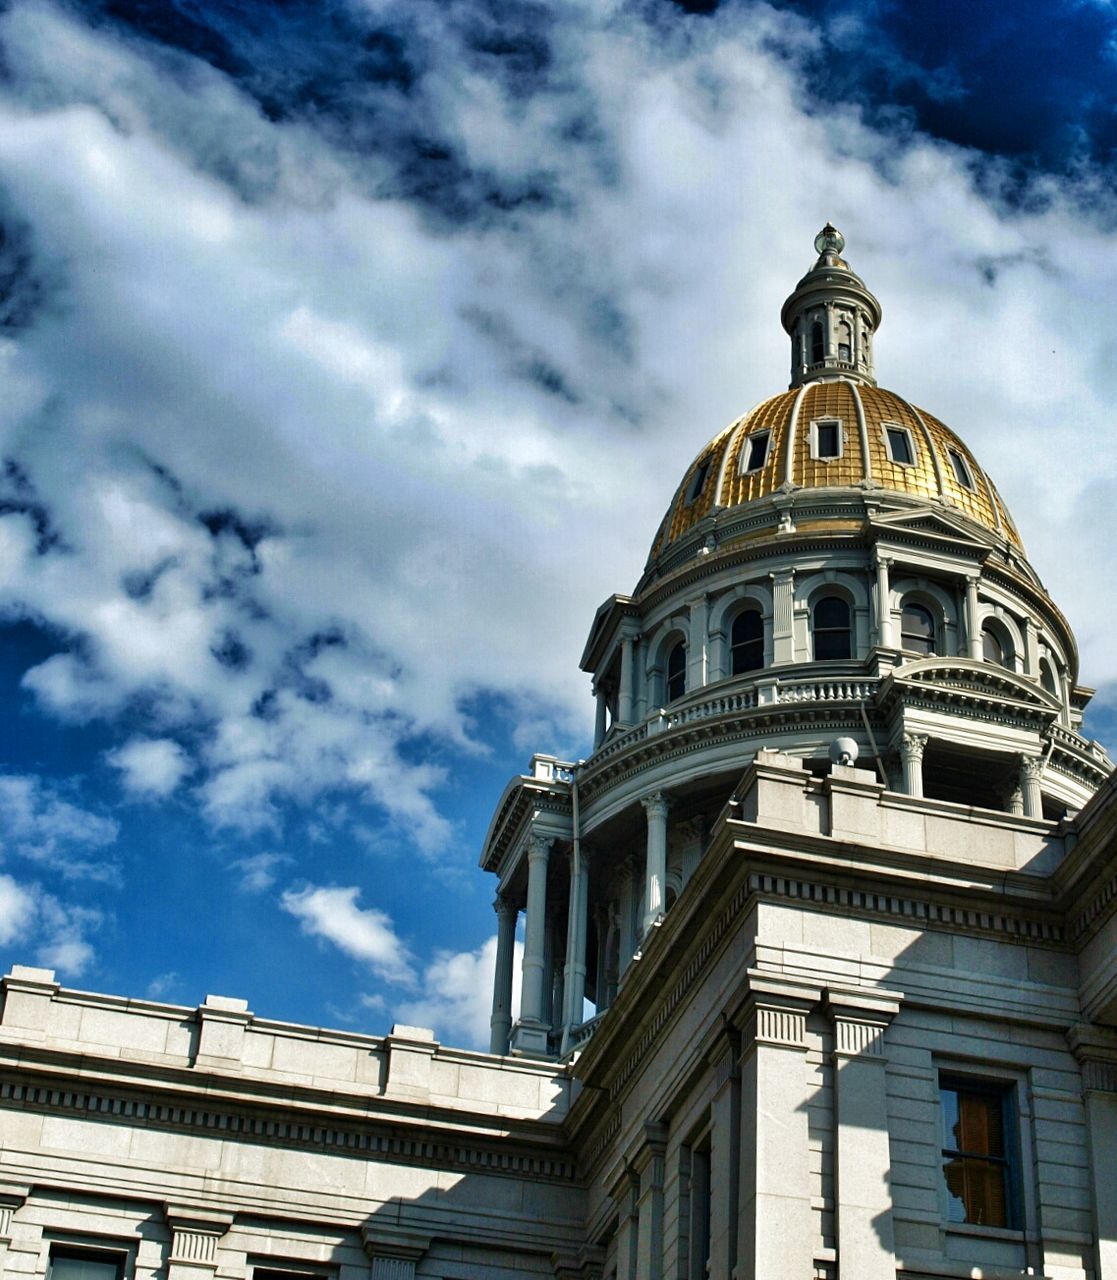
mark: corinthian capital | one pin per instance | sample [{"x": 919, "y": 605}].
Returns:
[
  {"x": 913, "y": 746},
  {"x": 656, "y": 805}
]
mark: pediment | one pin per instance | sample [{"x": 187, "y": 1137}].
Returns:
[
  {"x": 936, "y": 522},
  {"x": 962, "y": 678}
]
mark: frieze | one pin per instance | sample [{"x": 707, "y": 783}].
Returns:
[{"x": 381, "y": 1143}]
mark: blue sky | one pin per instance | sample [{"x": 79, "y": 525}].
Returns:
[{"x": 350, "y": 354}]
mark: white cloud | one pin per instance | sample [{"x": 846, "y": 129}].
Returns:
[
  {"x": 37, "y": 823},
  {"x": 258, "y": 871},
  {"x": 151, "y": 767},
  {"x": 366, "y": 934},
  {"x": 457, "y": 995},
  {"x": 17, "y": 910},
  {"x": 330, "y": 472},
  {"x": 28, "y": 914}
]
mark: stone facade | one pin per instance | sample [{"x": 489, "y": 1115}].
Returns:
[{"x": 783, "y": 1017}]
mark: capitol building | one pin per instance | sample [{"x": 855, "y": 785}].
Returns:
[{"x": 819, "y": 966}]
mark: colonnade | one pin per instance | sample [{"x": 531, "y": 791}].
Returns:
[
  {"x": 626, "y": 697},
  {"x": 1025, "y": 800}
]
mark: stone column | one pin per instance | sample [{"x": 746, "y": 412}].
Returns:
[
  {"x": 626, "y": 700},
  {"x": 1016, "y": 801},
  {"x": 973, "y": 628},
  {"x": 783, "y": 616},
  {"x": 725, "y": 1148},
  {"x": 862, "y": 1195},
  {"x": 776, "y": 1226},
  {"x": 1031, "y": 648},
  {"x": 883, "y": 602},
  {"x": 649, "y": 1166},
  {"x": 601, "y": 721},
  {"x": 577, "y": 926},
  {"x": 627, "y": 917},
  {"x": 531, "y": 1032},
  {"x": 1096, "y": 1050},
  {"x": 500, "y": 1023},
  {"x": 625, "y": 1194},
  {"x": 912, "y": 747},
  {"x": 697, "y": 652},
  {"x": 655, "y": 867},
  {"x": 556, "y": 986},
  {"x": 1031, "y": 771}
]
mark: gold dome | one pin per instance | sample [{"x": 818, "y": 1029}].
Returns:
[{"x": 940, "y": 462}]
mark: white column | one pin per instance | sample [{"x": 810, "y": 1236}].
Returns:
[
  {"x": 698, "y": 644},
  {"x": 501, "y": 1021},
  {"x": 883, "y": 603},
  {"x": 556, "y": 984},
  {"x": 626, "y": 700},
  {"x": 1096, "y": 1050},
  {"x": 973, "y": 630},
  {"x": 1031, "y": 648},
  {"x": 1031, "y": 771},
  {"x": 626, "y": 924},
  {"x": 600, "y": 722},
  {"x": 783, "y": 616},
  {"x": 531, "y": 1033},
  {"x": 912, "y": 747},
  {"x": 862, "y": 1162},
  {"x": 776, "y": 1224},
  {"x": 655, "y": 866},
  {"x": 576, "y": 930}
]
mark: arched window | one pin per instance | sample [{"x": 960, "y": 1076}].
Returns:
[
  {"x": 676, "y": 671},
  {"x": 994, "y": 649},
  {"x": 831, "y": 629},
  {"x": 1047, "y": 678},
  {"x": 845, "y": 341},
  {"x": 917, "y": 630},
  {"x": 747, "y": 642},
  {"x": 818, "y": 350}
]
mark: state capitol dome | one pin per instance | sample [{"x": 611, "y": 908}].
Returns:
[{"x": 834, "y": 428}]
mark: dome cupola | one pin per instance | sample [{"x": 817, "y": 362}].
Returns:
[{"x": 831, "y": 318}]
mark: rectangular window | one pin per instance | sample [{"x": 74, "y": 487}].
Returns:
[
  {"x": 977, "y": 1151},
  {"x": 961, "y": 470},
  {"x": 85, "y": 1264},
  {"x": 699, "y": 481},
  {"x": 756, "y": 451},
  {"x": 899, "y": 445},
  {"x": 826, "y": 439}
]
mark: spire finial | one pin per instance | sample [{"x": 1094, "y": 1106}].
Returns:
[{"x": 829, "y": 240}]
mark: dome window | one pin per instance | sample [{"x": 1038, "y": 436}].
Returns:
[
  {"x": 818, "y": 347},
  {"x": 698, "y": 483},
  {"x": 961, "y": 469},
  {"x": 994, "y": 649},
  {"x": 676, "y": 672},
  {"x": 845, "y": 342},
  {"x": 901, "y": 447},
  {"x": 826, "y": 439},
  {"x": 1047, "y": 678},
  {"x": 747, "y": 642},
  {"x": 756, "y": 451},
  {"x": 832, "y": 637},
  {"x": 917, "y": 630}
]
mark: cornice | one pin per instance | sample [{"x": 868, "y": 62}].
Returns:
[{"x": 527, "y": 1151}]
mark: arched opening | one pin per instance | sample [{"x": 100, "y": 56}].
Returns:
[
  {"x": 818, "y": 348},
  {"x": 676, "y": 671},
  {"x": 1047, "y": 678},
  {"x": 746, "y": 643},
  {"x": 845, "y": 341},
  {"x": 917, "y": 630},
  {"x": 995, "y": 647},
  {"x": 831, "y": 629}
]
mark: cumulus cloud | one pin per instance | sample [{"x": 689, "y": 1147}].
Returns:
[
  {"x": 38, "y": 823},
  {"x": 317, "y": 433},
  {"x": 151, "y": 768},
  {"x": 30, "y": 915},
  {"x": 457, "y": 993},
  {"x": 364, "y": 933}
]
